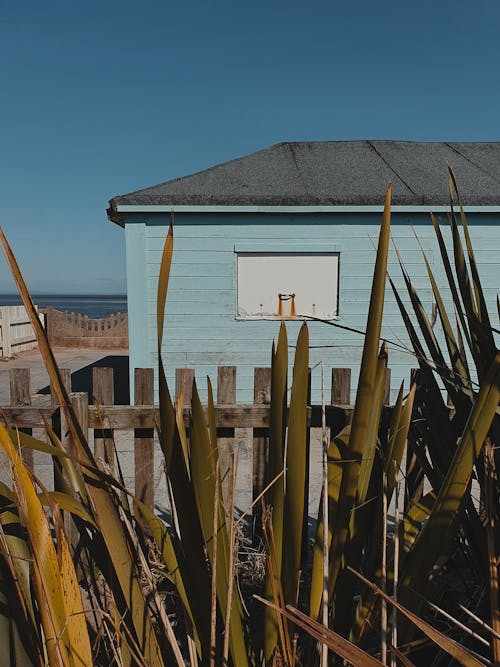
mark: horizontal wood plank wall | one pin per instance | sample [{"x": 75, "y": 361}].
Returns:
[
  {"x": 201, "y": 329},
  {"x": 20, "y": 394}
]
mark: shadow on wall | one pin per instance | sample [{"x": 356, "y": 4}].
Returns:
[{"x": 81, "y": 380}]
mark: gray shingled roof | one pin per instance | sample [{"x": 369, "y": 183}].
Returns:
[{"x": 336, "y": 173}]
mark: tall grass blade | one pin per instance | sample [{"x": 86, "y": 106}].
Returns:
[
  {"x": 205, "y": 477},
  {"x": 482, "y": 348},
  {"x": 425, "y": 326},
  {"x": 76, "y": 623},
  {"x": 490, "y": 474},
  {"x": 460, "y": 375},
  {"x": 104, "y": 508},
  {"x": 364, "y": 515},
  {"x": 398, "y": 432},
  {"x": 429, "y": 544},
  {"x": 17, "y": 611},
  {"x": 451, "y": 280},
  {"x": 335, "y": 642},
  {"x": 368, "y": 459},
  {"x": 165, "y": 265},
  {"x": 175, "y": 447},
  {"x": 337, "y": 451},
  {"x": 455, "y": 650},
  {"x": 173, "y": 557},
  {"x": 277, "y": 430},
  {"x": 415, "y": 517},
  {"x": 482, "y": 310},
  {"x": 325, "y": 519},
  {"x": 46, "y": 567},
  {"x": 233, "y": 556},
  {"x": 398, "y": 440},
  {"x": 362, "y": 409},
  {"x": 296, "y": 455},
  {"x": 23, "y": 650}
]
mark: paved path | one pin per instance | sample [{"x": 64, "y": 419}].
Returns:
[{"x": 79, "y": 361}]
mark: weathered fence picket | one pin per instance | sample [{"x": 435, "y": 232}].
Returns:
[
  {"x": 261, "y": 396},
  {"x": 144, "y": 439},
  {"x": 341, "y": 386},
  {"x": 103, "y": 394},
  {"x": 226, "y": 395},
  {"x": 184, "y": 378},
  {"x": 20, "y": 394}
]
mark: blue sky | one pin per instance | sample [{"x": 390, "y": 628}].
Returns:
[{"x": 103, "y": 97}]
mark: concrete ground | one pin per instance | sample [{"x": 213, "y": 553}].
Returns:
[{"x": 81, "y": 362}]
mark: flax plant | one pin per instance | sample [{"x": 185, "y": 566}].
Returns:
[{"x": 94, "y": 600}]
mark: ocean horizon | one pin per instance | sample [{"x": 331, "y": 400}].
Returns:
[{"x": 92, "y": 305}]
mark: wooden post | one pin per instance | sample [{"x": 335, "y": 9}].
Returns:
[
  {"x": 103, "y": 393},
  {"x": 66, "y": 380},
  {"x": 226, "y": 395},
  {"x": 341, "y": 386},
  {"x": 59, "y": 420},
  {"x": 59, "y": 424},
  {"x": 49, "y": 324},
  {"x": 144, "y": 443},
  {"x": 20, "y": 394},
  {"x": 260, "y": 453},
  {"x": 6, "y": 339},
  {"x": 80, "y": 404},
  {"x": 184, "y": 378}
]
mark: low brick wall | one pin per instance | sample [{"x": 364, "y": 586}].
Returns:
[{"x": 72, "y": 330}]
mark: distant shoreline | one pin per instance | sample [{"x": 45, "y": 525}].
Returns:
[
  {"x": 64, "y": 295},
  {"x": 95, "y": 306}
]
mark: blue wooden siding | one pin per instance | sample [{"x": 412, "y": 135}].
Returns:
[{"x": 201, "y": 328}]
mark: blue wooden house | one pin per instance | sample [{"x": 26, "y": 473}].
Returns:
[{"x": 289, "y": 232}]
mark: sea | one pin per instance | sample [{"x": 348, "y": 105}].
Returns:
[{"x": 93, "y": 305}]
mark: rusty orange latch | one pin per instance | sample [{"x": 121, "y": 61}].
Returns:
[{"x": 286, "y": 297}]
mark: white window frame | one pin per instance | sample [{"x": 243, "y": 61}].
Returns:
[{"x": 263, "y": 249}]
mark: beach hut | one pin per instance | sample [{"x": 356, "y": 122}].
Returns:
[{"x": 290, "y": 232}]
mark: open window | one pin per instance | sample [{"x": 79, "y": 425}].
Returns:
[{"x": 287, "y": 285}]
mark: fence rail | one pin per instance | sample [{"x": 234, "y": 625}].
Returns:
[
  {"x": 17, "y": 334},
  {"x": 104, "y": 421}
]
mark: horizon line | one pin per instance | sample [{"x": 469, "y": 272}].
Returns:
[{"x": 72, "y": 294}]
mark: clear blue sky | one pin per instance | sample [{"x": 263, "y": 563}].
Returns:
[{"x": 103, "y": 97}]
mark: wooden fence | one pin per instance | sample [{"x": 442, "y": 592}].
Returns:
[
  {"x": 75, "y": 330},
  {"x": 17, "y": 334},
  {"x": 105, "y": 421}
]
